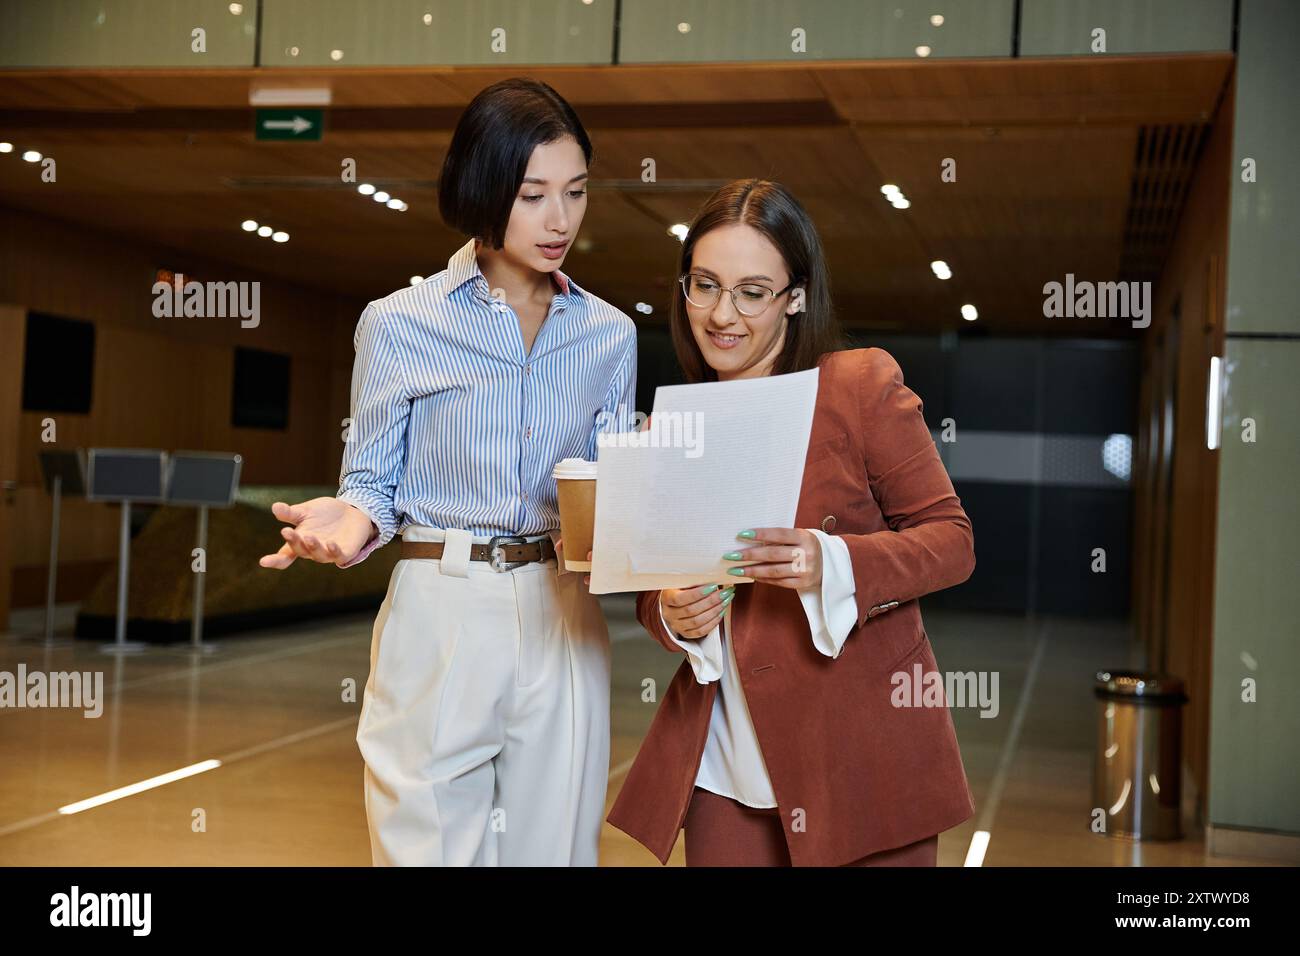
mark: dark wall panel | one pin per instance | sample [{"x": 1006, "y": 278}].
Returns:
[
  {"x": 1090, "y": 388},
  {"x": 1074, "y": 521},
  {"x": 995, "y": 384},
  {"x": 1001, "y": 518}
]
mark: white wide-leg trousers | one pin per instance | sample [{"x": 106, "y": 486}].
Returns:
[{"x": 485, "y": 720}]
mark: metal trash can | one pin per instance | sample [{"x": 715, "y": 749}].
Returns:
[{"x": 1137, "y": 775}]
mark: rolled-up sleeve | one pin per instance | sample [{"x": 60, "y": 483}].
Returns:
[
  {"x": 704, "y": 653},
  {"x": 829, "y": 606},
  {"x": 929, "y": 544},
  {"x": 374, "y": 454}
]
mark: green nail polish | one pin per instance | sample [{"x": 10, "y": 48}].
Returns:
[
  {"x": 726, "y": 598},
  {"x": 710, "y": 589},
  {"x": 730, "y": 589},
  {"x": 732, "y": 556},
  {"x": 746, "y": 534},
  {"x": 736, "y": 571}
]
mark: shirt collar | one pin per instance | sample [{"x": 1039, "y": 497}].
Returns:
[
  {"x": 563, "y": 282},
  {"x": 462, "y": 268}
]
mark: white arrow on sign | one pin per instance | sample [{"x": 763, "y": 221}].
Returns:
[{"x": 297, "y": 124}]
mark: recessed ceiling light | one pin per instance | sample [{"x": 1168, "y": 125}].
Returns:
[
  {"x": 248, "y": 225},
  {"x": 683, "y": 28},
  {"x": 936, "y": 19},
  {"x": 395, "y": 204},
  {"x": 264, "y": 231},
  {"x": 380, "y": 196},
  {"x": 940, "y": 269},
  {"x": 969, "y": 312},
  {"x": 678, "y": 231},
  {"x": 32, "y": 156},
  {"x": 280, "y": 236},
  {"x": 365, "y": 189},
  {"x": 923, "y": 50},
  {"x": 6, "y": 147},
  {"x": 416, "y": 280},
  {"x": 336, "y": 55},
  {"x": 895, "y": 196}
]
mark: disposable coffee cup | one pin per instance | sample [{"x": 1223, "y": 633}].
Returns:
[{"x": 575, "y": 481}]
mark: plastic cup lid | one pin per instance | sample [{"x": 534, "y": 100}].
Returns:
[{"x": 575, "y": 468}]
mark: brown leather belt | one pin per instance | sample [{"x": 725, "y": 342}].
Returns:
[{"x": 503, "y": 552}]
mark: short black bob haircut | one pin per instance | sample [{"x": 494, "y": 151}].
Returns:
[{"x": 490, "y": 149}]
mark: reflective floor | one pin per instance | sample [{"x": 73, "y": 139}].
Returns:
[{"x": 274, "y": 709}]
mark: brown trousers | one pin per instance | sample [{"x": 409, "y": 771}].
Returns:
[{"x": 723, "y": 832}]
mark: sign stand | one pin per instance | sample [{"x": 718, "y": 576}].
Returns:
[
  {"x": 120, "y": 644},
  {"x": 125, "y": 475},
  {"x": 62, "y": 471},
  {"x": 205, "y": 479}
]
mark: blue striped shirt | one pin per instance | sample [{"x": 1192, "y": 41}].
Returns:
[{"x": 453, "y": 426}]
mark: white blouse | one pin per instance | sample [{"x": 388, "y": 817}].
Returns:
[{"x": 732, "y": 765}]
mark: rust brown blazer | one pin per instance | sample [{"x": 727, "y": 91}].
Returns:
[{"x": 869, "y": 776}]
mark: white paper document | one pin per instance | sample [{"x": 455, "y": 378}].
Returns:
[{"x": 720, "y": 457}]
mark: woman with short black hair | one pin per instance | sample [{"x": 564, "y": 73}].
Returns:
[
  {"x": 485, "y": 721},
  {"x": 490, "y": 151}
]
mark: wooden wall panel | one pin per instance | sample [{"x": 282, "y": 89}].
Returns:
[
  {"x": 12, "y": 334},
  {"x": 163, "y": 383},
  {"x": 1193, "y": 278}
]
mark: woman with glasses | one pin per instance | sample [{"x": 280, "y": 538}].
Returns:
[
  {"x": 485, "y": 720},
  {"x": 784, "y": 738}
]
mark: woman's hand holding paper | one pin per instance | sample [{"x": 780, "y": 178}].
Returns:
[
  {"x": 694, "y": 612},
  {"x": 785, "y": 557}
]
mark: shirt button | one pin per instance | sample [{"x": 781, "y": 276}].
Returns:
[
  {"x": 528, "y": 432},
  {"x": 528, "y": 370},
  {"x": 525, "y": 494}
]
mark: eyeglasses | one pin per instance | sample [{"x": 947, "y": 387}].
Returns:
[{"x": 749, "y": 299}]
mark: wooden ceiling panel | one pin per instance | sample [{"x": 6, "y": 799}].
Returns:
[
  {"x": 1045, "y": 153},
  {"x": 1051, "y": 90}
]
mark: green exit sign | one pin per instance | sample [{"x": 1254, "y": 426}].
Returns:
[{"x": 290, "y": 124}]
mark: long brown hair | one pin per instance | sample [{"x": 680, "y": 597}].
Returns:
[{"x": 771, "y": 209}]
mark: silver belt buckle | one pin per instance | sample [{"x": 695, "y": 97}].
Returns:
[{"x": 496, "y": 559}]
